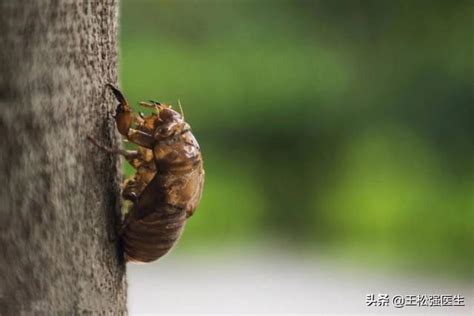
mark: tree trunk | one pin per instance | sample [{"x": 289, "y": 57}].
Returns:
[{"x": 58, "y": 196}]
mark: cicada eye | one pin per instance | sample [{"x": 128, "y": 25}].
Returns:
[{"x": 162, "y": 132}]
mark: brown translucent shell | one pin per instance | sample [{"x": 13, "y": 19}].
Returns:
[{"x": 168, "y": 181}]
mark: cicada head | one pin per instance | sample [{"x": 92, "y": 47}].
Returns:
[{"x": 168, "y": 123}]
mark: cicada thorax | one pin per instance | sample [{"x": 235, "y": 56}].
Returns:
[{"x": 169, "y": 185}]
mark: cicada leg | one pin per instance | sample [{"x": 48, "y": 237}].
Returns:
[
  {"x": 124, "y": 119},
  {"x": 141, "y": 138},
  {"x": 131, "y": 188},
  {"x": 130, "y": 155}
]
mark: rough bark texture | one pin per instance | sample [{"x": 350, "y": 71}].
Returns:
[{"x": 59, "y": 193}]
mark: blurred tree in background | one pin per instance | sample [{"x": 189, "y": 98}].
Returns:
[{"x": 342, "y": 127}]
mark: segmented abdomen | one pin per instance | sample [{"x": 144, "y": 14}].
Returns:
[{"x": 150, "y": 238}]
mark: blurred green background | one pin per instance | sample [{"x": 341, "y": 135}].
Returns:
[{"x": 342, "y": 128}]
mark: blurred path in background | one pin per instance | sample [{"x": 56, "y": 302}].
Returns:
[{"x": 275, "y": 284}]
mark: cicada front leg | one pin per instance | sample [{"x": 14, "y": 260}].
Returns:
[{"x": 124, "y": 119}]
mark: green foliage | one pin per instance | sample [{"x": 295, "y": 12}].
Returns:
[{"x": 342, "y": 124}]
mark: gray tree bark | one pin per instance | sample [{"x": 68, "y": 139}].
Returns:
[{"x": 58, "y": 193}]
